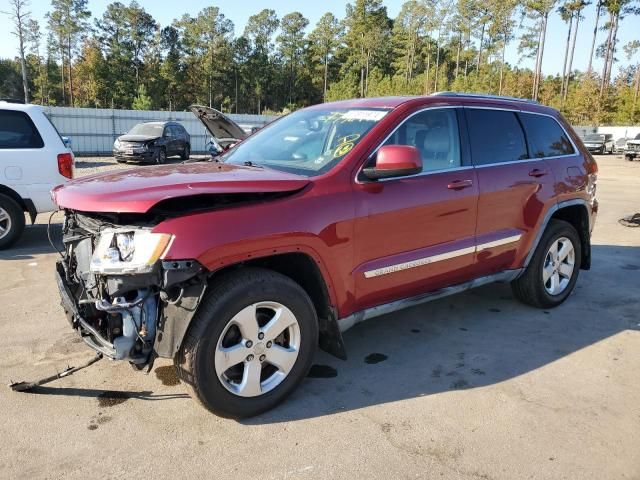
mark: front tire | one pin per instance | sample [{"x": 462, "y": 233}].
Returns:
[
  {"x": 161, "y": 156},
  {"x": 250, "y": 343},
  {"x": 11, "y": 221},
  {"x": 553, "y": 271}
]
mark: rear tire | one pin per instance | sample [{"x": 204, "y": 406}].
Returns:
[
  {"x": 228, "y": 319},
  {"x": 536, "y": 287},
  {"x": 11, "y": 221},
  {"x": 186, "y": 153}
]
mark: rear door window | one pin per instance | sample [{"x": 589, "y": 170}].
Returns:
[
  {"x": 496, "y": 136},
  {"x": 18, "y": 131},
  {"x": 546, "y": 137},
  {"x": 434, "y": 133}
]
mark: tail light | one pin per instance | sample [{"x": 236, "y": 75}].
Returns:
[
  {"x": 65, "y": 165},
  {"x": 592, "y": 175}
]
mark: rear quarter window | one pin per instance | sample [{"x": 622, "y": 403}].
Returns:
[
  {"x": 496, "y": 136},
  {"x": 18, "y": 131},
  {"x": 546, "y": 137}
]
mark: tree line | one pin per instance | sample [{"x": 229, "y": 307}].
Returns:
[{"x": 126, "y": 59}]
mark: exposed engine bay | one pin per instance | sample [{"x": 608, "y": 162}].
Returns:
[{"x": 115, "y": 288}]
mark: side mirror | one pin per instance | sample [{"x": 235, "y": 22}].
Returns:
[{"x": 395, "y": 161}]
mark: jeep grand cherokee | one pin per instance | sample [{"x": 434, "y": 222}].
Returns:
[{"x": 335, "y": 214}]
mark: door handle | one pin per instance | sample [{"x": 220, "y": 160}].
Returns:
[
  {"x": 460, "y": 184},
  {"x": 538, "y": 172}
]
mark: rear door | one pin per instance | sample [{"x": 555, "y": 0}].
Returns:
[
  {"x": 550, "y": 141},
  {"x": 515, "y": 188},
  {"x": 416, "y": 233}
]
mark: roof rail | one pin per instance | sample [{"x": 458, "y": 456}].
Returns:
[
  {"x": 11, "y": 100},
  {"x": 483, "y": 95}
]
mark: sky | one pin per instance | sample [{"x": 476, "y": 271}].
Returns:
[{"x": 240, "y": 10}]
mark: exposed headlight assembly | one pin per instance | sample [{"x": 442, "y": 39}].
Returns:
[{"x": 128, "y": 251}]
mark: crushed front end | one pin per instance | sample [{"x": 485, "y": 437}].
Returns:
[{"x": 118, "y": 293}]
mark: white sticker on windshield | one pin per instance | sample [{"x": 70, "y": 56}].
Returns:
[{"x": 364, "y": 115}]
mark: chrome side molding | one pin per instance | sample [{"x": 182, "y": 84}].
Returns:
[{"x": 347, "y": 322}]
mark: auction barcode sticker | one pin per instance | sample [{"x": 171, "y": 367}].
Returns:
[{"x": 364, "y": 115}]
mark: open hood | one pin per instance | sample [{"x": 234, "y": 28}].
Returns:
[
  {"x": 137, "y": 190},
  {"x": 219, "y": 125}
]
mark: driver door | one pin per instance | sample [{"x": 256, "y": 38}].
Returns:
[{"x": 416, "y": 234}]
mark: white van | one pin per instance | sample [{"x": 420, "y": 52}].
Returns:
[{"x": 33, "y": 160}]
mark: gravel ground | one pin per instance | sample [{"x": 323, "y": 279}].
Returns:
[
  {"x": 476, "y": 386},
  {"x": 91, "y": 165}
]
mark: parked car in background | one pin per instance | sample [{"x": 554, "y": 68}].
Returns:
[
  {"x": 225, "y": 133},
  {"x": 632, "y": 151},
  {"x": 599, "y": 142},
  {"x": 153, "y": 142},
  {"x": 335, "y": 214},
  {"x": 620, "y": 145},
  {"x": 33, "y": 160}
]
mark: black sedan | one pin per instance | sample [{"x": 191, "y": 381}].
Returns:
[{"x": 152, "y": 142}]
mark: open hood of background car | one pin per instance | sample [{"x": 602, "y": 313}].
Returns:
[
  {"x": 137, "y": 190},
  {"x": 219, "y": 125}
]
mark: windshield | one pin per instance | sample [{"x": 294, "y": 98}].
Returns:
[
  {"x": 307, "y": 142},
  {"x": 594, "y": 137},
  {"x": 147, "y": 129}
]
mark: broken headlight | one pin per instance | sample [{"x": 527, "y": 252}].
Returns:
[{"x": 128, "y": 251}]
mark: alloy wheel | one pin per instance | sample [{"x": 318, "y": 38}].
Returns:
[
  {"x": 5, "y": 223},
  {"x": 257, "y": 349},
  {"x": 559, "y": 266}
]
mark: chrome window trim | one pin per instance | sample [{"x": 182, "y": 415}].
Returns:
[
  {"x": 575, "y": 153},
  {"x": 419, "y": 262},
  {"x": 421, "y": 174},
  {"x": 467, "y": 167},
  {"x": 573, "y": 144}
]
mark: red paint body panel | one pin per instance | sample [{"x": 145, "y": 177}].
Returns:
[
  {"x": 407, "y": 219},
  {"x": 350, "y": 227},
  {"x": 396, "y": 157},
  {"x": 138, "y": 189},
  {"x": 510, "y": 199}
]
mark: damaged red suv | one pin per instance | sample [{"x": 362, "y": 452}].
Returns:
[{"x": 238, "y": 269}]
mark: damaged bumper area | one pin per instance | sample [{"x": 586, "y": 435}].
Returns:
[{"x": 119, "y": 295}]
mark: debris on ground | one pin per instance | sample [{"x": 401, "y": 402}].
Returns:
[{"x": 631, "y": 220}]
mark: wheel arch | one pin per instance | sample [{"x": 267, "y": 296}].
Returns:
[
  {"x": 303, "y": 269},
  {"x": 578, "y": 216},
  {"x": 25, "y": 204},
  {"x": 575, "y": 212}
]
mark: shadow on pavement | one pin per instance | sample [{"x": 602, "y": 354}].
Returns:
[
  {"x": 471, "y": 340},
  {"x": 34, "y": 241}
]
